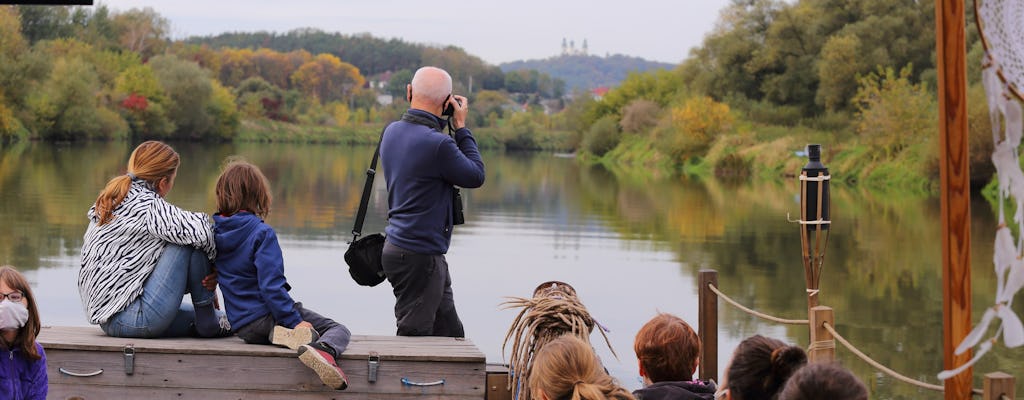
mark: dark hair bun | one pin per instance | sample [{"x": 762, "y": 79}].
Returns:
[{"x": 785, "y": 361}]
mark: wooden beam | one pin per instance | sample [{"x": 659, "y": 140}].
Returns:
[
  {"x": 951, "y": 54},
  {"x": 707, "y": 324}
]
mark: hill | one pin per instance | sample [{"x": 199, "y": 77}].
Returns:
[{"x": 587, "y": 71}]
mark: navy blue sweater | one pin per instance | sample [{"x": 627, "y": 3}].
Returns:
[
  {"x": 250, "y": 271},
  {"x": 420, "y": 166}
]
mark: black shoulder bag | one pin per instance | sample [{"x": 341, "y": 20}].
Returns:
[{"x": 364, "y": 254}]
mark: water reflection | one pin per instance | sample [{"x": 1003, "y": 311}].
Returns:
[{"x": 631, "y": 246}]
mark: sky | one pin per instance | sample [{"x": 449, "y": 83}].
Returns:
[{"x": 497, "y": 32}]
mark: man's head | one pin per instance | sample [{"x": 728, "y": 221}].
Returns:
[
  {"x": 429, "y": 89},
  {"x": 667, "y": 349}
]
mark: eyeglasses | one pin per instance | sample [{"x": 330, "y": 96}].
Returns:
[{"x": 13, "y": 296}]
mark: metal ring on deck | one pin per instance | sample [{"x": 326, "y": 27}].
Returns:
[
  {"x": 406, "y": 381},
  {"x": 78, "y": 374}
]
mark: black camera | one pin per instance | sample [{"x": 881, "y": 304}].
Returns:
[
  {"x": 458, "y": 218},
  {"x": 449, "y": 109}
]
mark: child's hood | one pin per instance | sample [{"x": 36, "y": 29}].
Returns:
[{"x": 231, "y": 232}]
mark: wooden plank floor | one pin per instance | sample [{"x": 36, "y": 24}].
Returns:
[{"x": 390, "y": 347}]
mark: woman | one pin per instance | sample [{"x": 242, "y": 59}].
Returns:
[
  {"x": 567, "y": 369},
  {"x": 142, "y": 254},
  {"x": 759, "y": 369},
  {"x": 23, "y": 369}
]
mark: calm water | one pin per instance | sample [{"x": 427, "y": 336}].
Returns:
[{"x": 631, "y": 246}]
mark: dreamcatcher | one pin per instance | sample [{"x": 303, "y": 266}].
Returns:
[{"x": 1001, "y": 24}]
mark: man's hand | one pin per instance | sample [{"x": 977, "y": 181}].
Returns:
[{"x": 459, "y": 116}]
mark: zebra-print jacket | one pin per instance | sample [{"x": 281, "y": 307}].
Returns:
[{"x": 119, "y": 256}]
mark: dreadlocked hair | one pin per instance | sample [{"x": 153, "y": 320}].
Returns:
[{"x": 553, "y": 311}]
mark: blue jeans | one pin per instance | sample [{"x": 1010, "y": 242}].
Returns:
[{"x": 160, "y": 311}]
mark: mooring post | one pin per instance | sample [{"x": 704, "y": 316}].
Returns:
[
  {"x": 823, "y": 345},
  {"x": 998, "y": 385},
  {"x": 707, "y": 324}
]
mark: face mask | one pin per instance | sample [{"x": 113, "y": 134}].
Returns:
[{"x": 12, "y": 315}]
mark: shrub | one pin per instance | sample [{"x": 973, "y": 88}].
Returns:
[{"x": 602, "y": 136}]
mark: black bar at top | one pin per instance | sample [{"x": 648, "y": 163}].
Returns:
[{"x": 48, "y": 2}]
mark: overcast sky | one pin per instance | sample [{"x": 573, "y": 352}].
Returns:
[{"x": 657, "y": 30}]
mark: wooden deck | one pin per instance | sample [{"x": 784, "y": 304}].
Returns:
[{"x": 228, "y": 368}]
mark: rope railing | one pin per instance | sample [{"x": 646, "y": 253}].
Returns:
[
  {"x": 849, "y": 346},
  {"x": 755, "y": 313}
]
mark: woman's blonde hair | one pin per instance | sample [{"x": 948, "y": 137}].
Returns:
[
  {"x": 242, "y": 187},
  {"x": 151, "y": 161},
  {"x": 567, "y": 369},
  {"x": 26, "y": 338}
]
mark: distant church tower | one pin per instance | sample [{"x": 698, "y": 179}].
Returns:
[
  {"x": 584, "y": 47},
  {"x": 565, "y": 47}
]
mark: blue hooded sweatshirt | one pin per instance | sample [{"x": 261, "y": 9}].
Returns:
[
  {"x": 250, "y": 271},
  {"x": 21, "y": 378},
  {"x": 421, "y": 165}
]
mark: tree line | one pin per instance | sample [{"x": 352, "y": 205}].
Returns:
[{"x": 70, "y": 73}]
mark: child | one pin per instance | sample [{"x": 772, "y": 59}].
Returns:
[
  {"x": 567, "y": 368},
  {"x": 250, "y": 270},
  {"x": 759, "y": 369},
  {"x": 22, "y": 360},
  {"x": 667, "y": 350},
  {"x": 825, "y": 381}
]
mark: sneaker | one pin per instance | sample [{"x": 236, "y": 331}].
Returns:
[
  {"x": 320, "y": 360},
  {"x": 292, "y": 338}
]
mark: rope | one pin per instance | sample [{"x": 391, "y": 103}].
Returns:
[
  {"x": 755, "y": 313},
  {"x": 876, "y": 364}
]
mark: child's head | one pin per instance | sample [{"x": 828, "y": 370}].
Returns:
[
  {"x": 667, "y": 349},
  {"x": 824, "y": 381},
  {"x": 760, "y": 367},
  {"x": 567, "y": 368},
  {"x": 21, "y": 314},
  {"x": 242, "y": 187}
]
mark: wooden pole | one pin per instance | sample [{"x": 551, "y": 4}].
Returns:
[
  {"x": 707, "y": 324},
  {"x": 997, "y": 385},
  {"x": 823, "y": 345},
  {"x": 955, "y": 190}
]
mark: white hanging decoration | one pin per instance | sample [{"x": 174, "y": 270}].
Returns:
[{"x": 1002, "y": 74}]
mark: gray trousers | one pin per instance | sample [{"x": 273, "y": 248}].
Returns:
[
  {"x": 332, "y": 333},
  {"x": 424, "y": 304}
]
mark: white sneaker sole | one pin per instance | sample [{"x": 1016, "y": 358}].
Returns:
[{"x": 292, "y": 338}]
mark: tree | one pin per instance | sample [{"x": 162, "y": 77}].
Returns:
[
  {"x": 67, "y": 107},
  {"x": 189, "y": 91},
  {"x": 397, "y": 82},
  {"x": 640, "y": 115},
  {"x": 328, "y": 78},
  {"x": 142, "y": 31},
  {"x": 840, "y": 59},
  {"x": 143, "y": 102}
]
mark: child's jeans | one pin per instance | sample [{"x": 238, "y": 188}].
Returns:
[{"x": 331, "y": 332}]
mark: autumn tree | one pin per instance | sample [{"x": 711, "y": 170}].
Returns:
[
  {"x": 327, "y": 78},
  {"x": 189, "y": 92},
  {"x": 142, "y": 102}
]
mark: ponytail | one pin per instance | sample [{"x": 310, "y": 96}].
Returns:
[
  {"x": 567, "y": 368},
  {"x": 151, "y": 161},
  {"x": 111, "y": 197}
]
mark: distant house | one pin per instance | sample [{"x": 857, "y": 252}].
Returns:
[
  {"x": 385, "y": 99},
  {"x": 599, "y": 92}
]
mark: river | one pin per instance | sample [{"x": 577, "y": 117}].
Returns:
[{"x": 630, "y": 244}]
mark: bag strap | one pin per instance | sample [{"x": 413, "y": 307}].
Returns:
[{"x": 364, "y": 202}]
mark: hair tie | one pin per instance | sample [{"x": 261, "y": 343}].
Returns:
[{"x": 131, "y": 176}]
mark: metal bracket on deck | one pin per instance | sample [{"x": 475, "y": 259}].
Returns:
[
  {"x": 129, "y": 359},
  {"x": 372, "y": 363}
]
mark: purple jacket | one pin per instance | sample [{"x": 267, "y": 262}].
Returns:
[{"x": 20, "y": 378}]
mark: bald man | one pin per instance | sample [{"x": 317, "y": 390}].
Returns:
[{"x": 422, "y": 166}]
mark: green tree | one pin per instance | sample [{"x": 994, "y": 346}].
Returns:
[
  {"x": 840, "y": 59},
  {"x": 189, "y": 92},
  {"x": 893, "y": 112},
  {"x": 67, "y": 107},
  {"x": 603, "y": 136},
  {"x": 397, "y": 82}
]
